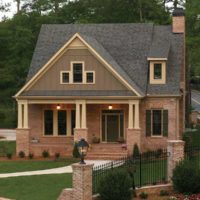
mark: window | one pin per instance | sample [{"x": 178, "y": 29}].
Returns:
[
  {"x": 89, "y": 77},
  {"x": 157, "y": 122},
  {"x": 73, "y": 121},
  {"x": 62, "y": 122},
  {"x": 157, "y": 71},
  {"x": 77, "y": 72},
  {"x": 48, "y": 122},
  {"x": 65, "y": 77}
]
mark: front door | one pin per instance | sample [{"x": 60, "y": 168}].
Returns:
[{"x": 112, "y": 125}]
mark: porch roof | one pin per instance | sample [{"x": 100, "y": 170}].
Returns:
[{"x": 77, "y": 93}]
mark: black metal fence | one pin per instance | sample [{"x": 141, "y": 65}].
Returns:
[
  {"x": 149, "y": 168},
  {"x": 192, "y": 154}
]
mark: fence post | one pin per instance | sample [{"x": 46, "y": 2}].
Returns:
[
  {"x": 82, "y": 181},
  {"x": 175, "y": 148}
]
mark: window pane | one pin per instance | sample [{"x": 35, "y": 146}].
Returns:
[
  {"x": 48, "y": 122},
  {"x": 62, "y": 122},
  {"x": 157, "y": 71},
  {"x": 65, "y": 77},
  {"x": 73, "y": 120},
  {"x": 157, "y": 119},
  {"x": 90, "y": 77},
  {"x": 77, "y": 72}
]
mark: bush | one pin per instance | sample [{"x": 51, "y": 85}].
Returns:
[
  {"x": 187, "y": 139},
  {"x": 164, "y": 193},
  {"x": 45, "y": 154},
  {"x": 186, "y": 178},
  {"x": 21, "y": 154},
  {"x": 57, "y": 156},
  {"x": 115, "y": 185},
  {"x": 136, "y": 151},
  {"x": 75, "y": 151},
  {"x": 158, "y": 153},
  {"x": 95, "y": 140},
  {"x": 30, "y": 155},
  {"x": 143, "y": 195},
  {"x": 9, "y": 155}
]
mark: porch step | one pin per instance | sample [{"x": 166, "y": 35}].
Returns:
[{"x": 106, "y": 152}]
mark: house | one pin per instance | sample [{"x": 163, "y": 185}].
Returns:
[{"x": 106, "y": 81}]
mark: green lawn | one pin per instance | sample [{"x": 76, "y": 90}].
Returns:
[
  {"x": 31, "y": 165},
  {"x": 43, "y": 187}
]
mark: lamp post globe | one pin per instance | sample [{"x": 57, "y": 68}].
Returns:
[{"x": 82, "y": 148}]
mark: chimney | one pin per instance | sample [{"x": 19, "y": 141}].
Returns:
[{"x": 178, "y": 21}]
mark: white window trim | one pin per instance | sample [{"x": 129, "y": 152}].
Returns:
[
  {"x": 71, "y": 82},
  {"x": 163, "y": 72},
  {"x": 61, "y": 77},
  {"x": 93, "y": 72},
  {"x": 55, "y": 123},
  {"x": 152, "y": 134}
]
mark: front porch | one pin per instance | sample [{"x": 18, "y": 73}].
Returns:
[{"x": 56, "y": 125}]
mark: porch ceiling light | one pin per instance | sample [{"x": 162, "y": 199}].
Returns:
[
  {"x": 58, "y": 107},
  {"x": 110, "y": 107},
  {"x": 82, "y": 148}
]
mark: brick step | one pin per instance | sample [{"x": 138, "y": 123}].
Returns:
[{"x": 103, "y": 157}]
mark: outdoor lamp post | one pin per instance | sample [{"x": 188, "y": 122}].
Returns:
[{"x": 82, "y": 148}]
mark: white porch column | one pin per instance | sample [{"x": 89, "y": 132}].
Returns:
[
  {"x": 130, "y": 116},
  {"x": 19, "y": 115},
  {"x": 77, "y": 115},
  {"x": 25, "y": 114},
  {"x": 137, "y": 116},
  {"x": 83, "y": 117}
]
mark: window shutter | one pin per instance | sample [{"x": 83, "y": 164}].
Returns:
[
  {"x": 165, "y": 123},
  {"x": 148, "y": 123}
]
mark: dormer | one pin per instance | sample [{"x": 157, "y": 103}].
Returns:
[{"x": 157, "y": 71}]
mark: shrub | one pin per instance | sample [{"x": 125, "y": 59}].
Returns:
[
  {"x": 158, "y": 153},
  {"x": 186, "y": 178},
  {"x": 9, "y": 155},
  {"x": 95, "y": 140},
  {"x": 57, "y": 156},
  {"x": 187, "y": 139},
  {"x": 164, "y": 193},
  {"x": 21, "y": 154},
  {"x": 75, "y": 151},
  {"x": 30, "y": 155},
  {"x": 45, "y": 154},
  {"x": 136, "y": 151},
  {"x": 143, "y": 195},
  {"x": 115, "y": 185}
]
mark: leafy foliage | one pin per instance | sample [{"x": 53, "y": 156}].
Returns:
[
  {"x": 115, "y": 186},
  {"x": 75, "y": 151},
  {"x": 186, "y": 178}
]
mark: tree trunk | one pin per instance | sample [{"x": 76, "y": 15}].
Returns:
[{"x": 18, "y": 5}]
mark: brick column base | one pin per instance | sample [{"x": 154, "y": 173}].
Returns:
[
  {"x": 80, "y": 133},
  {"x": 22, "y": 141},
  {"x": 133, "y": 136},
  {"x": 82, "y": 181},
  {"x": 176, "y": 154}
]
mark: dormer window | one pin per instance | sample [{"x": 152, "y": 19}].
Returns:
[
  {"x": 90, "y": 77},
  {"x": 65, "y": 77},
  {"x": 157, "y": 72}
]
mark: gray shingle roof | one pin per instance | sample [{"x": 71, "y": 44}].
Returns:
[
  {"x": 125, "y": 46},
  {"x": 60, "y": 93}
]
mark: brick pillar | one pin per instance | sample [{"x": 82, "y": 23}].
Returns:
[
  {"x": 133, "y": 136},
  {"x": 82, "y": 181},
  {"x": 80, "y": 133},
  {"x": 176, "y": 154},
  {"x": 22, "y": 140}
]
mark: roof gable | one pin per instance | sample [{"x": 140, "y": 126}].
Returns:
[{"x": 77, "y": 41}]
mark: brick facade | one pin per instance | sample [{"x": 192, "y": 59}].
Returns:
[{"x": 64, "y": 144}]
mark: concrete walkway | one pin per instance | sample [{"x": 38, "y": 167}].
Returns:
[{"x": 60, "y": 170}]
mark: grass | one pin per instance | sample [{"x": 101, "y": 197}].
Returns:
[
  {"x": 31, "y": 165},
  {"x": 44, "y": 187}
]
